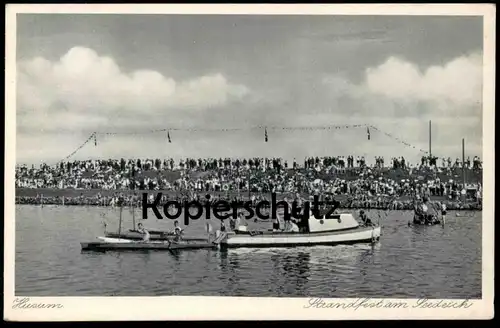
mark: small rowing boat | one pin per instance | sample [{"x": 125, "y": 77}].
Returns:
[
  {"x": 133, "y": 240},
  {"x": 110, "y": 244},
  {"x": 426, "y": 220},
  {"x": 134, "y": 235}
]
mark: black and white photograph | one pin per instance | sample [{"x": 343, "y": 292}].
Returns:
[{"x": 338, "y": 161}]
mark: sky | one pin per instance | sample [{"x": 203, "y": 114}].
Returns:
[{"x": 133, "y": 74}]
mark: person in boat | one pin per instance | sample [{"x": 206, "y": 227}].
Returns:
[
  {"x": 365, "y": 219},
  {"x": 177, "y": 231},
  {"x": 291, "y": 226},
  {"x": 240, "y": 221},
  {"x": 143, "y": 231},
  {"x": 276, "y": 224},
  {"x": 222, "y": 226},
  {"x": 299, "y": 203},
  {"x": 232, "y": 224}
]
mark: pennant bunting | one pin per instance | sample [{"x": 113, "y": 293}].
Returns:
[{"x": 266, "y": 136}]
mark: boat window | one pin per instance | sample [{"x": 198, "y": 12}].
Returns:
[{"x": 333, "y": 217}]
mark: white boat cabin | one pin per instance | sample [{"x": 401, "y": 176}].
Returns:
[{"x": 334, "y": 222}]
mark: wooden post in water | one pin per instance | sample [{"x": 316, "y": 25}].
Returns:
[
  {"x": 41, "y": 200},
  {"x": 63, "y": 200}
]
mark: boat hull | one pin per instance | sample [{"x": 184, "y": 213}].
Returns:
[
  {"x": 429, "y": 221},
  {"x": 137, "y": 236},
  {"x": 108, "y": 244},
  {"x": 350, "y": 236},
  {"x": 426, "y": 224}
]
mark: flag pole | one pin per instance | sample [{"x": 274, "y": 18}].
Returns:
[
  {"x": 463, "y": 166},
  {"x": 430, "y": 138}
]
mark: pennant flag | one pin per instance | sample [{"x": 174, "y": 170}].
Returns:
[
  {"x": 265, "y": 134},
  {"x": 168, "y": 136},
  {"x": 368, "y": 132}
]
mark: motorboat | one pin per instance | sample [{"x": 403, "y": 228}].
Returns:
[{"x": 332, "y": 230}]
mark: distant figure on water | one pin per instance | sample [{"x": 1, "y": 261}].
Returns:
[
  {"x": 443, "y": 213},
  {"x": 144, "y": 232},
  {"x": 365, "y": 219},
  {"x": 422, "y": 215}
]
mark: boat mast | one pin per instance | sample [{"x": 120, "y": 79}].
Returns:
[
  {"x": 120, "y": 222},
  {"x": 133, "y": 213},
  {"x": 248, "y": 178}
]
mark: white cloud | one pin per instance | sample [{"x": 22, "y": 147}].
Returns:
[
  {"x": 457, "y": 83},
  {"x": 84, "y": 82},
  {"x": 84, "y": 92},
  {"x": 400, "y": 98}
]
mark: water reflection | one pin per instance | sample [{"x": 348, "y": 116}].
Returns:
[
  {"x": 176, "y": 254},
  {"x": 297, "y": 270}
]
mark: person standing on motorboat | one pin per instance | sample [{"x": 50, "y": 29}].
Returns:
[
  {"x": 299, "y": 202},
  {"x": 276, "y": 224},
  {"x": 143, "y": 231},
  {"x": 291, "y": 226}
]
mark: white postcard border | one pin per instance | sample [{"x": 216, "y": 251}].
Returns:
[{"x": 247, "y": 308}]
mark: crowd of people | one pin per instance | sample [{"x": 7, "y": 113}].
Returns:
[{"x": 362, "y": 185}]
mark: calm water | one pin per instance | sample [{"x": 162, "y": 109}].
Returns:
[{"x": 409, "y": 262}]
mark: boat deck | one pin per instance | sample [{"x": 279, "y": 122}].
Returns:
[{"x": 157, "y": 237}]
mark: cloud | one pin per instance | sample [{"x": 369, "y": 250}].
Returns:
[
  {"x": 400, "y": 98},
  {"x": 457, "y": 83},
  {"x": 402, "y": 89},
  {"x": 84, "y": 85},
  {"x": 61, "y": 103}
]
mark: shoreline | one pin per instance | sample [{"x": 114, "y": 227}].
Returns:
[
  {"x": 103, "y": 198},
  {"x": 339, "y": 208}
]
